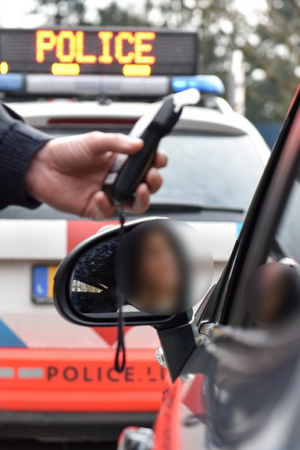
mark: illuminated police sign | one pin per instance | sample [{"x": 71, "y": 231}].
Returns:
[{"x": 128, "y": 52}]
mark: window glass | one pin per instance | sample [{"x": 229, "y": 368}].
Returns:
[
  {"x": 272, "y": 294},
  {"x": 288, "y": 235},
  {"x": 222, "y": 171}
]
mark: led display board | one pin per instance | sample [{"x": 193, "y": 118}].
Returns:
[{"x": 128, "y": 52}]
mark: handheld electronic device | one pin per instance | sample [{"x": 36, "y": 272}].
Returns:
[{"x": 128, "y": 172}]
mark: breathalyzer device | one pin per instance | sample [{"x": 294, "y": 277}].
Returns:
[{"x": 127, "y": 172}]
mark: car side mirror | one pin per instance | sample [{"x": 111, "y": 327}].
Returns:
[{"x": 158, "y": 267}]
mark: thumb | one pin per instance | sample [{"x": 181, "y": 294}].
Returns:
[{"x": 100, "y": 143}]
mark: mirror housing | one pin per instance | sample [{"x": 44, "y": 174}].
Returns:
[{"x": 63, "y": 280}]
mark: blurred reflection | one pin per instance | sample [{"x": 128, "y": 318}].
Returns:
[
  {"x": 148, "y": 269},
  {"x": 93, "y": 286},
  {"x": 158, "y": 272},
  {"x": 273, "y": 295}
]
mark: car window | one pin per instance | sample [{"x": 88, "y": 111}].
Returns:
[
  {"x": 213, "y": 170},
  {"x": 277, "y": 300},
  {"x": 216, "y": 170},
  {"x": 288, "y": 234},
  {"x": 285, "y": 249}
]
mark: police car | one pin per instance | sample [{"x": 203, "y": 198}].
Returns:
[{"x": 51, "y": 369}]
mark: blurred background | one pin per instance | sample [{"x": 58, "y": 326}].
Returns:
[
  {"x": 258, "y": 41},
  {"x": 267, "y": 32}
]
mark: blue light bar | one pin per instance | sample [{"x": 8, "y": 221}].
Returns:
[
  {"x": 11, "y": 82},
  {"x": 206, "y": 84}
]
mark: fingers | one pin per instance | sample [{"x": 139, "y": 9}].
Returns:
[
  {"x": 100, "y": 143},
  {"x": 120, "y": 143},
  {"x": 142, "y": 194},
  {"x": 99, "y": 207},
  {"x": 161, "y": 159},
  {"x": 142, "y": 199},
  {"x": 154, "y": 180}
]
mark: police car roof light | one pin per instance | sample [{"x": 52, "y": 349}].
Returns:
[
  {"x": 206, "y": 84},
  {"x": 93, "y": 85},
  {"x": 12, "y": 82}
]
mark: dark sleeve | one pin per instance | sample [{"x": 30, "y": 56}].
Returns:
[{"x": 18, "y": 145}]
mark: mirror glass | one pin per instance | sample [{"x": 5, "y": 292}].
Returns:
[
  {"x": 161, "y": 267},
  {"x": 93, "y": 286}
]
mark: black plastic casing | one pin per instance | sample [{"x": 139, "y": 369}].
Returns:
[{"x": 136, "y": 167}]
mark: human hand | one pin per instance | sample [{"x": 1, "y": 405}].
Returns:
[{"x": 68, "y": 174}]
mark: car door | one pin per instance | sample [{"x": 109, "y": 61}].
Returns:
[{"x": 236, "y": 385}]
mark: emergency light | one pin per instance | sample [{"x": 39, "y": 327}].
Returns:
[
  {"x": 12, "y": 82},
  {"x": 113, "y": 86},
  {"x": 205, "y": 84}
]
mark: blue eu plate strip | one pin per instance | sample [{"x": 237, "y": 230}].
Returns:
[{"x": 40, "y": 281}]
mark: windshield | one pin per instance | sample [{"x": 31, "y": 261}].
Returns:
[{"x": 212, "y": 170}]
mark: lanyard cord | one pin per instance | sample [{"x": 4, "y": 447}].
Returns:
[{"x": 120, "y": 359}]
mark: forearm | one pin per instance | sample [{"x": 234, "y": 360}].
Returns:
[{"x": 19, "y": 143}]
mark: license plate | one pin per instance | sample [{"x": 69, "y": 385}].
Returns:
[{"x": 42, "y": 284}]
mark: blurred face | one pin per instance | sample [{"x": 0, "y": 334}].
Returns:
[{"x": 158, "y": 270}]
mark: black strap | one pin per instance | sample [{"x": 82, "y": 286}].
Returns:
[{"x": 120, "y": 359}]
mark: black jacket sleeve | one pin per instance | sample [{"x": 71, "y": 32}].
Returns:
[{"x": 18, "y": 145}]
